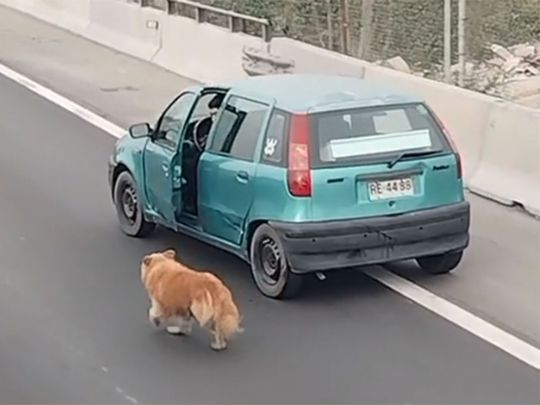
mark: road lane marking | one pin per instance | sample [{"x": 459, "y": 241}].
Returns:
[
  {"x": 126, "y": 396},
  {"x": 63, "y": 102},
  {"x": 505, "y": 341},
  {"x": 499, "y": 338}
]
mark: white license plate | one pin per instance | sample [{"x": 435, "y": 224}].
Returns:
[{"x": 381, "y": 190}]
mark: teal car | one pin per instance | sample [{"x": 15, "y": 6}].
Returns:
[{"x": 297, "y": 174}]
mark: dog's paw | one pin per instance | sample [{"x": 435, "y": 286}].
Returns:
[
  {"x": 218, "y": 346},
  {"x": 174, "y": 330}
]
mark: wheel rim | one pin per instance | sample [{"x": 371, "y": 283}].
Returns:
[
  {"x": 129, "y": 204},
  {"x": 270, "y": 261}
]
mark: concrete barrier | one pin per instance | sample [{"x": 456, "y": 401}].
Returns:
[
  {"x": 311, "y": 59},
  {"x": 509, "y": 170},
  {"x": 127, "y": 27},
  {"x": 203, "y": 52}
]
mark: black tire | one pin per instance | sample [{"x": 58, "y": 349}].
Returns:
[
  {"x": 128, "y": 209},
  {"x": 440, "y": 264},
  {"x": 269, "y": 266}
]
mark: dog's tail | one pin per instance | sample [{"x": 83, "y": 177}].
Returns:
[
  {"x": 221, "y": 310},
  {"x": 228, "y": 319}
]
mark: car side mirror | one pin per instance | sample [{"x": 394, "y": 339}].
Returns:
[{"x": 140, "y": 130}]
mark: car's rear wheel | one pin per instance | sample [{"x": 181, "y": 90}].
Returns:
[
  {"x": 440, "y": 264},
  {"x": 269, "y": 266},
  {"x": 128, "y": 208}
]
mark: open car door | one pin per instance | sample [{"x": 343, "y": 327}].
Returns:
[{"x": 162, "y": 160}]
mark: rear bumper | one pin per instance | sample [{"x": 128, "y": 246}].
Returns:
[{"x": 321, "y": 246}]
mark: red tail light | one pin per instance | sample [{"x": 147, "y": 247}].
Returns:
[
  {"x": 299, "y": 170},
  {"x": 452, "y": 144}
]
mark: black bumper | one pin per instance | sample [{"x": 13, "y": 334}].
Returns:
[{"x": 321, "y": 246}]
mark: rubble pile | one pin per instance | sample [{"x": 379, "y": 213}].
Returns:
[
  {"x": 511, "y": 73},
  {"x": 518, "y": 61}
]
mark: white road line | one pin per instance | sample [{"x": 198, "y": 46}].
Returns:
[
  {"x": 63, "y": 102},
  {"x": 512, "y": 345}
]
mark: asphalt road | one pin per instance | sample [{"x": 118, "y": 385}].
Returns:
[
  {"x": 498, "y": 278},
  {"x": 74, "y": 327}
]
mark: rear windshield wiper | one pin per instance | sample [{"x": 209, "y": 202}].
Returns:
[{"x": 402, "y": 155}]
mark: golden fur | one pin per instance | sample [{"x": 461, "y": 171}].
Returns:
[{"x": 179, "y": 295}]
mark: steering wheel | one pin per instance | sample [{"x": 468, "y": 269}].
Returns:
[{"x": 200, "y": 137}]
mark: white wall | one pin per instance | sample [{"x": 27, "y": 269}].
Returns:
[
  {"x": 204, "y": 52},
  {"x": 125, "y": 26}
]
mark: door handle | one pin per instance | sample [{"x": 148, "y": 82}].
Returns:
[{"x": 242, "y": 176}]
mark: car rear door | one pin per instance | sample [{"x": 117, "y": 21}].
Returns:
[
  {"x": 227, "y": 168},
  {"x": 381, "y": 161}
]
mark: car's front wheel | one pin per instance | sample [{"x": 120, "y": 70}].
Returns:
[
  {"x": 440, "y": 264},
  {"x": 269, "y": 266},
  {"x": 128, "y": 208}
]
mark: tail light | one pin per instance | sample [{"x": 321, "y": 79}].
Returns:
[
  {"x": 299, "y": 170},
  {"x": 452, "y": 144}
]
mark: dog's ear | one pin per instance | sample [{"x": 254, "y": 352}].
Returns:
[
  {"x": 147, "y": 260},
  {"x": 170, "y": 254}
]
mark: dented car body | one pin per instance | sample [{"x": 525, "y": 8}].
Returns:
[{"x": 297, "y": 174}]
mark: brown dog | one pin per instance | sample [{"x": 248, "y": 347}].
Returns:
[{"x": 178, "y": 294}]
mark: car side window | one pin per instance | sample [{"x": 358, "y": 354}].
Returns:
[
  {"x": 173, "y": 120},
  {"x": 274, "y": 141},
  {"x": 238, "y": 128}
]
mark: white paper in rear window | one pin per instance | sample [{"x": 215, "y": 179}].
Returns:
[{"x": 374, "y": 144}]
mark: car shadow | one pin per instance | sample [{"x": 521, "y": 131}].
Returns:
[{"x": 338, "y": 285}]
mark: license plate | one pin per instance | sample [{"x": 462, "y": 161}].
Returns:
[{"x": 381, "y": 190}]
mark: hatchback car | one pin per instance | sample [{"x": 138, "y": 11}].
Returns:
[{"x": 297, "y": 174}]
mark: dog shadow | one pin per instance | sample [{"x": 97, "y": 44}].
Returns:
[{"x": 195, "y": 346}]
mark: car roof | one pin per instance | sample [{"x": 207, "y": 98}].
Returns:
[{"x": 309, "y": 93}]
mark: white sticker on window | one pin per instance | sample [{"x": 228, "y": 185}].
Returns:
[{"x": 270, "y": 147}]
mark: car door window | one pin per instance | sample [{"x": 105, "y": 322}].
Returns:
[
  {"x": 238, "y": 128},
  {"x": 172, "y": 122},
  {"x": 274, "y": 140},
  {"x": 205, "y": 105}
]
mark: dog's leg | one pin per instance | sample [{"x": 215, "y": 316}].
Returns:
[
  {"x": 218, "y": 341},
  {"x": 155, "y": 313},
  {"x": 179, "y": 325},
  {"x": 186, "y": 326},
  {"x": 154, "y": 317}
]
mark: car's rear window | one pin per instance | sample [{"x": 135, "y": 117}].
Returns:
[{"x": 374, "y": 134}]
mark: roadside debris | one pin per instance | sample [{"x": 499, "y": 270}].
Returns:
[
  {"x": 397, "y": 63},
  {"x": 518, "y": 60},
  {"x": 512, "y": 72},
  {"x": 257, "y": 62}
]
